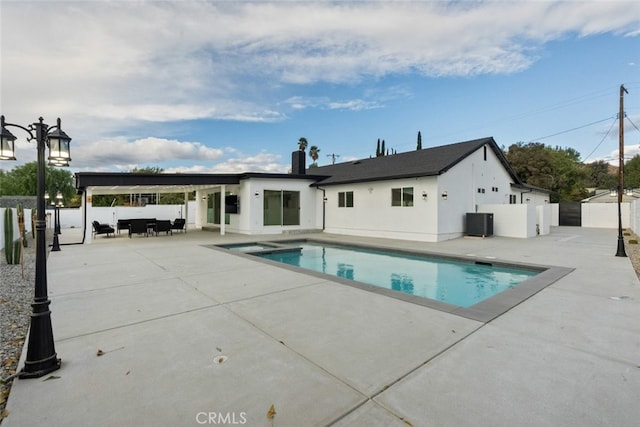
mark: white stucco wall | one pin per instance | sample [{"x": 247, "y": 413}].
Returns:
[
  {"x": 512, "y": 220},
  {"x": 373, "y": 215},
  {"x": 544, "y": 218},
  {"x": 605, "y": 215},
  {"x": 251, "y": 194},
  {"x": 634, "y": 216}
]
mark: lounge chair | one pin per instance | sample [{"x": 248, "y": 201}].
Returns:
[
  {"x": 102, "y": 229},
  {"x": 163, "y": 225},
  {"x": 138, "y": 226},
  {"x": 179, "y": 224}
]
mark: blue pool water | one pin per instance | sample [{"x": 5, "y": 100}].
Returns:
[{"x": 460, "y": 283}]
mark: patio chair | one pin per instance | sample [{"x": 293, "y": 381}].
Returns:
[
  {"x": 102, "y": 229},
  {"x": 138, "y": 226},
  {"x": 179, "y": 224},
  {"x": 123, "y": 224},
  {"x": 163, "y": 225}
]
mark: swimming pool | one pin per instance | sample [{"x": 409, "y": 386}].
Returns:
[
  {"x": 460, "y": 283},
  {"x": 476, "y": 288}
]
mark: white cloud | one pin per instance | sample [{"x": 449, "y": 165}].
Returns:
[
  {"x": 189, "y": 60},
  {"x": 115, "y": 65},
  {"x": 301, "y": 103},
  {"x": 261, "y": 162},
  {"x": 120, "y": 153}
]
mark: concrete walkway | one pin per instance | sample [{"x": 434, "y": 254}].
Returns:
[{"x": 194, "y": 336}]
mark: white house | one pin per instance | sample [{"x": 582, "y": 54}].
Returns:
[{"x": 419, "y": 195}]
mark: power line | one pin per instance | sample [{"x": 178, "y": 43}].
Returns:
[
  {"x": 601, "y": 141},
  {"x": 572, "y": 129},
  {"x": 634, "y": 125}
]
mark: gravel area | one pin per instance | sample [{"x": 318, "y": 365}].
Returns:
[{"x": 16, "y": 293}]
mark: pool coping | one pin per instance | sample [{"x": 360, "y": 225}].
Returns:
[{"x": 484, "y": 311}]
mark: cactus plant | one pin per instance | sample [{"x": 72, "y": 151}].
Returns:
[
  {"x": 8, "y": 235},
  {"x": 17, "y": 251},
  {"x": 12, "y": 248}
]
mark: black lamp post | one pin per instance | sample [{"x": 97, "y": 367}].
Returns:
[
  {"x": 41, "y": 354},
  {"x": 56, "y": 222}
]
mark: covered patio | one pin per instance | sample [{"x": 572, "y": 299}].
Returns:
[{"x": 210, "y": 191}]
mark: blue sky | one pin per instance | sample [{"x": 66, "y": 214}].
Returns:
[{"x": 197, "y": 86}]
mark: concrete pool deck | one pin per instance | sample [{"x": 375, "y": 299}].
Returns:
[{"x": 166, "y": 310}]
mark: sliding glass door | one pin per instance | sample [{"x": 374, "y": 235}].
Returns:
[{"x": 281, "y": 207}]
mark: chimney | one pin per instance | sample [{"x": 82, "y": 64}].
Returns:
[{"x": 298, "y": 162}]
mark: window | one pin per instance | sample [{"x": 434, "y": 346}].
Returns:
[
  {"x": 345, "y": 199},
  {"x": 512, "y": 199},
  {"x": 281, "y": 207},
  {"x": 402, "y": 196},
  {"x": 481, "y": 190}
]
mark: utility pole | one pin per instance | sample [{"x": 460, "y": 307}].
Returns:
[
  {"x": 621, "y": 252},
  {"x": 333, "y": 158}
]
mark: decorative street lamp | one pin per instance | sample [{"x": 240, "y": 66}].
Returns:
[
  {"x": 41, "y": 354},
  {"x": 56, "y": 222}
]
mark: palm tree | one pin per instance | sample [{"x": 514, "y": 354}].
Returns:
[
  {"x": 313, "y": 153},
  {"x": 302, "y": 144}
]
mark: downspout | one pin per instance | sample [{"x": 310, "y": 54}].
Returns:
[
  {"x": 324, "y": 205},
  {"x": 84, "y": 217}
]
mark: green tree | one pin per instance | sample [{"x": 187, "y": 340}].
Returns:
[
  {"x": 556, "y": 169},
  {"x": 302, "y": 144},
  {"x": 147, "y": 169},
  {"x": 419, "y": 143},
  {"x": 570, "y": 174},
  {"x": 22, "y": 181},
  {"x": 313, "y": 153},
  {"x": 601, "y": 175},
  {"x": 631, "y": 173},
  {"x": 378, "y": 152}
]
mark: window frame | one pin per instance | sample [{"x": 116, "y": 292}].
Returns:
[
  {"x": 345, "y": 199},
  {"x": 402, "y": 197}
]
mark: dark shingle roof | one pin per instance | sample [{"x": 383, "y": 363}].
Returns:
[{"x": 426, "y": 162}]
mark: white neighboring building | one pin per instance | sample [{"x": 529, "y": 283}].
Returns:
[{"x": 419, "y": 195}]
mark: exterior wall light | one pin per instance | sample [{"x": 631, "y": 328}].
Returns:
[
  {"x": 41, "y": 353},
  {"x": 424, "y": 195},
  {"x": 444, "y": 195}
]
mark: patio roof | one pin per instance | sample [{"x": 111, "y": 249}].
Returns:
[{"x": 123, "y": 183}]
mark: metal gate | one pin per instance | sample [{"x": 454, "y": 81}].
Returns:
[{"x": 570, "y": 213}]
